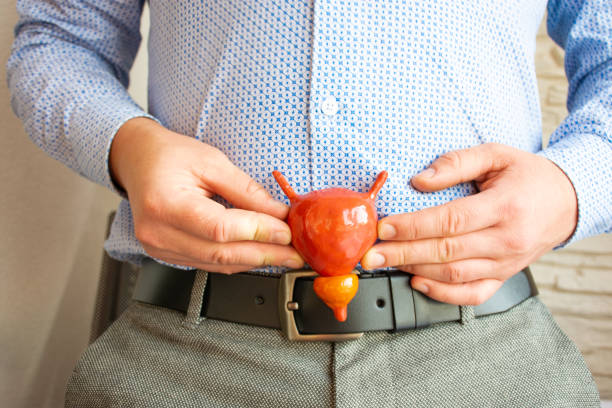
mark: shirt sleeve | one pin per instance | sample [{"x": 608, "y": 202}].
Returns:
[
  {"x": 68, "y": 73},
  {"x": 582, "y": 145}
]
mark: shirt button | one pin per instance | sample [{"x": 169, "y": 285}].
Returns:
[{"x": 330, "y": 106}]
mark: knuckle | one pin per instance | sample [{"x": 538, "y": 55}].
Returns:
[
  {"x": 220, "y": 232},
  {"x": 257, "y": 230},
  {"x": 410, "y": 230},
  {"x": 221, "y": 256},
  {"x": 403, "y": 255},
  {"x": 453, "y": 273},
  {"x": 254, "y": 188},
  {"x": 267, "y": 259},
  {"x": 259, "y": 233},
  {"x": 452, "y": 159},
  {"x": 517, "y": 243},
  {"x": 515, "y": 209},
  {"x": 453, "y": 221},
  {"x": 446, "y": 248}
]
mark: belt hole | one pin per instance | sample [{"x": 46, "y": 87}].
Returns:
[
  {"x": 259, "y": 300},
  {"x": 380, "y": 303}
]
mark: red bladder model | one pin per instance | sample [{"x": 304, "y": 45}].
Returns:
[{"x": 332, "y": 229}]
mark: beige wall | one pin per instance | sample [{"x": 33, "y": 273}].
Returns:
[{"x": 52, "y": 224}]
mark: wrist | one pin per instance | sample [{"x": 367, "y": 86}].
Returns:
[
  {"x": 568, "y": 201},
  {"x": 126, "y": 144}
]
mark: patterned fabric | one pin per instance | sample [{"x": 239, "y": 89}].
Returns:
[
  {"x": 148, "y": 358},
  {"x": 330, "y": 92}
]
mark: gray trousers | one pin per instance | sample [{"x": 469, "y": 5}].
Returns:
[{"x": 150, "y": 358}]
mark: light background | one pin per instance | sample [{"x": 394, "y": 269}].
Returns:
[{"x": 51, "y": 232}]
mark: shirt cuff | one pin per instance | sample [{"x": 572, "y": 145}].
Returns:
[
  {"x": 585, "y": 158},
  {"x": 95, "y": 126}
]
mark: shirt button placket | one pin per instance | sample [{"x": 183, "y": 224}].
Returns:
[
  {"x": 324, "y": 94},
  {"x": 330, "y": 106}
]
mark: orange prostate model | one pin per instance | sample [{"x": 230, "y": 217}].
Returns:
[{"x": 332, "y": 229}]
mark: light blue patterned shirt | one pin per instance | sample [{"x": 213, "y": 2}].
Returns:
[{"x": 330, "y": 92}]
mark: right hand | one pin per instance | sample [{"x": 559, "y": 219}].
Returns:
[{"x": 170, "y": 180}]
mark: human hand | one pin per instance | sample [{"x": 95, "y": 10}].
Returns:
[
  {"x": 461, "y": 252},
  {"x": 170, "y": 179}
]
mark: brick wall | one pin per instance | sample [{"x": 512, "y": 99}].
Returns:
[{"x": 575, "y": 282}]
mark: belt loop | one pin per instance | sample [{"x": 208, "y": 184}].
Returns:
[
  {"x": 193, "y": 316},
  {"x": 467, "y": 314},
  {"x": 402, "y": 300}
]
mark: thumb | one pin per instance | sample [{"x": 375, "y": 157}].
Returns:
[
  {"x": 460, "y": 166},
  {"x": 242, "y": 191}
]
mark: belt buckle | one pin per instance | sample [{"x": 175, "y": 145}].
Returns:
[{"x": 286, "y": 307}]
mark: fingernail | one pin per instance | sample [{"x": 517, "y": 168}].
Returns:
[
  {"x": 386, "y": 231},
  {"x": 292, "y": 263},
  {"x": 427, "y": 173},
  {"x": 281, "y": 237},
  {"x": 374, "y": 260},
  {"x": 421, "y": 287}
]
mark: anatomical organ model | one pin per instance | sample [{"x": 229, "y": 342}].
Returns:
[{"x": 332, "y": 229}]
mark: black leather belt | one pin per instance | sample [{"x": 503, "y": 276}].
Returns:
[{"x": 384, "y": 301}]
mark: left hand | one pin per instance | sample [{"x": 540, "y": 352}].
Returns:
[{"x": 461, "y": 252}]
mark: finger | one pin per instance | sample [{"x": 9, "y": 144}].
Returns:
[
  {"x": 466, "y": 270},
  {"x": 226, "y": 269},
  {"x": 481, "y": 244},
  {"x": 249, "y": 253},
  {"x": 174, "y": 258},
  {"x": 457, "y": 217},
  {"x": 459, "y": 166},
  {"x": 469, "y": 293},
  {"x": 174, "y": 245},
  {"x": 241, "y": 190},
  {"x": 211, "y": 221},
  {"x": 179, "y": 244}
]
